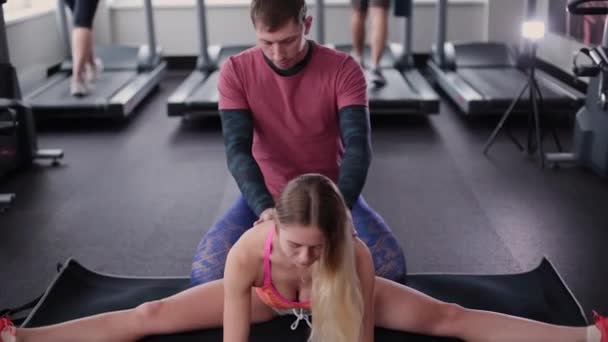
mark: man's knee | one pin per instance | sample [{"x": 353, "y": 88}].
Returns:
[
  {"x": 389, "y": 259},
  {"x": 208, "y": 263}
]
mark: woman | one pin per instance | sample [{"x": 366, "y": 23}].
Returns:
[{"x": 308, "y": 260}]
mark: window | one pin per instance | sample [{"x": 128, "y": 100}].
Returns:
[{"x": 16, "y": 9}]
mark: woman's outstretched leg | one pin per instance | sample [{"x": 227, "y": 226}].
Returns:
[
  {"x": 200, "y": 307},
  {"x": 401, "y": 308}
]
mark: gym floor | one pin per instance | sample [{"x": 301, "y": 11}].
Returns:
[{"x": 135, "y": 198}]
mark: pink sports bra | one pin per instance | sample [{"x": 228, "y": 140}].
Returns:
[{"x": 268, "y": 293}]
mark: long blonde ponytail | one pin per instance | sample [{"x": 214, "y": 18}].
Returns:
[{"x": 337, "y": 303}]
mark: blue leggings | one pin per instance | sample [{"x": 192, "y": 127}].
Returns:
[{"x": 210, "y": 256}]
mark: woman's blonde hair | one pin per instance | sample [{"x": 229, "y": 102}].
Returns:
[{"x": 337, "y": 303}]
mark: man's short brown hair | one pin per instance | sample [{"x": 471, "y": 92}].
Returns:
[{"x": 273, "y": 14}]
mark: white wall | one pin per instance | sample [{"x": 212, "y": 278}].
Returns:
[
  {"x": 504, "y": 20},
  {"x": 33, "y": 47}
]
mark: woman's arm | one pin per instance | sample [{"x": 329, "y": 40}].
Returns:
[
  {"x": 239, "y": 277},
  {"x": 367, "y": 277}
]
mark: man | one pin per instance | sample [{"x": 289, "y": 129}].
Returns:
[
  {"x": 378, "y": 10},
  {"x": 290, "y": 106}
]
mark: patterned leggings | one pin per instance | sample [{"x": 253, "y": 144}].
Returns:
[{"x": 210, "y": 256}]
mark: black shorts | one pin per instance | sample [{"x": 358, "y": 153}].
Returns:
[
  {"x": 83, "y": 12},
  {"x": 362, "y": 5}
]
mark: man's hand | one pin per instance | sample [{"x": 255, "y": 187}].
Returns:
[{"x": 266, "y": 215}]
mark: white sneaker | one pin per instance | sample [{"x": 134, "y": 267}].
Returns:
[
  {"x": 78, "y": 87},
  {"x": 376, "y": 78},
  {"x": 93, "y": 72}
]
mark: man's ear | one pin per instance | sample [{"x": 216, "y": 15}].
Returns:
[{"x": 307, "y": 24}]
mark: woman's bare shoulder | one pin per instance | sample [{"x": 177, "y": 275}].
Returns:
[
  {"x": 363, "y": 257},
  {"x": 249, "y": 249},
  {"x": 255, "y": 237}
]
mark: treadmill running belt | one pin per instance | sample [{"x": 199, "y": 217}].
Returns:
[
  {"x": 538, "y": 294},
  {"x": 206, "y": 96},
  {"x": 228, "y": 51},
  {"x": 504, "y": 83},
  {"x": 397, "y": 92},
  {"x": 105, "y": 87}
]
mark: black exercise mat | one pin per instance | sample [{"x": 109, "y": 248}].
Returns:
[{"x": 538, "y": 294}]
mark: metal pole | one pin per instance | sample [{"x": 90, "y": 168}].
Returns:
[
  {"x": 204, "y": 59},
  {"x": 441, "y": 29},
  {"x": 151, "y": 31},
  {"x": 4, "y": 56},
  {"x": 407, "y": 39},
  {"x": 62, "y": 20},
  {"x": 531, "y": 9},
  {"x": 320, "y": 21},
  {"x": 605, "y": 36}
]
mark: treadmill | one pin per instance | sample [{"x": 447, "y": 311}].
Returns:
[
  {"x": 198, "y": 94},
  {"x": 129, "y": 75},
  {"x": 484, "y": 78},
  {"x": 406, "y": 90}
]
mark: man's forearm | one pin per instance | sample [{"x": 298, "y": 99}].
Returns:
[
  {"x": 237, "y": 127},
  {"x": 355, "y": 130}
]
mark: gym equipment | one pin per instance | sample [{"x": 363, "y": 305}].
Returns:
[
  {"x": 591, "y": 126},
  {"x": 484, "y": 77},
  {"x": 538, "y": 294},
  {"x": 533, "y": 31},
  {"x": 18, "y": 143},
  {"x": 406, "y": 90},
  {"x": 129, "y": 75},
  {"x": 198, "y": 94}
]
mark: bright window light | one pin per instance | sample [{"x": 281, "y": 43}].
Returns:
[{"x": 533, "y": 30}]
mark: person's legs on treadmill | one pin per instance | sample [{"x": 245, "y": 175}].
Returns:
[
  {"x": 379, "y": 15},
  {"x": 94, "y": 66},
  {"x": 358, "y": 18},
  {"x": 81, "y": 40},
  {"x": 82, "y": 45}
]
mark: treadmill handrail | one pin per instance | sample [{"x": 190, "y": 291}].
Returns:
[
  {"x": 62, "y": 23},
  {"x": 320, "y": 21},
  {"x": 4, "y": 56},
  {"x": 204, "y": 61}
]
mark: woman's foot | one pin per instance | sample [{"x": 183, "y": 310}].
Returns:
[
  {"x": 93, "y": 72},
  {"x": 602, "y": 325},
  {"x": 376, "y": 78},
  {"x": 7, "y": 330},
  {"x": 79, "y": 87}
]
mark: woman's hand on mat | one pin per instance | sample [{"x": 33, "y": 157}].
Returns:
[{"x": 266, "y": 215}]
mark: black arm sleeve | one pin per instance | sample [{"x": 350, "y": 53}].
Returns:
[
  {"x": 356, "y": 136},
  {"x": 237, "y": 127}
]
